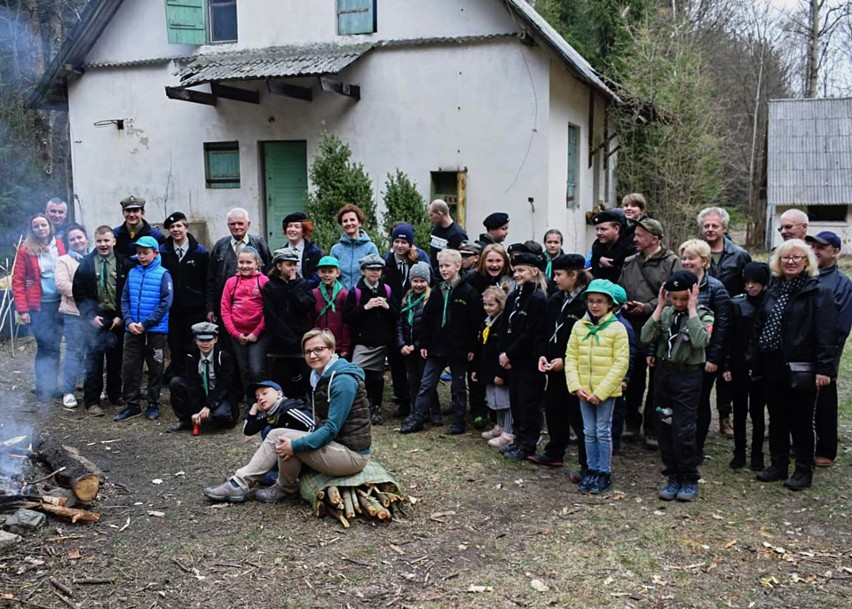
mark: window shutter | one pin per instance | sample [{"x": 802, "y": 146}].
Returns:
[
  {"x": 571, "y": 186},
  {"x": 222, "y": 164},
  {"x": 356, "y": 17},
  {"x": 185, "y": 22}
]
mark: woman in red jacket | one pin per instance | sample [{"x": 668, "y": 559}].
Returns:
[{"x": 37, "y": 300}]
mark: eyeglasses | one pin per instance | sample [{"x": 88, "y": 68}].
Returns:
[
  {"x": 784, "y": 227},
  {"x": 792, "y": 258},
  {"x": 315, "y": 351}
]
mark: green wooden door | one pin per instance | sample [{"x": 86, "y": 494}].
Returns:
[{"x": 286, "y": 174}]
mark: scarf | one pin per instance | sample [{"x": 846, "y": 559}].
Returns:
[
  {"x": 411, "y": 304},
  {"x": 674, "y": 330},
  {"x": 770, "y": 335},
  {"x": 596, "y": 329},
  {"x": 486, "y": 331},
  {"x": 329, "y": 302}
]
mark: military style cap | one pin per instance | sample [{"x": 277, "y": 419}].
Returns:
[
  {"x": 609, "y": 215},
  {"x": 285, "y": 254},
  {"x": 568, "y": 262},
  {"x": 177, "y": 216},
  {"x": 205, "y": 330},
  {"x": 132, "y": 202},
  {"x": 496, "y": 220},
  {"x": 372, "y": 261},
  {"x": 680, "y": 281},
  {"x": 470, "y": 247}
]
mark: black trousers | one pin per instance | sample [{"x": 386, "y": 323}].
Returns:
[
  {"x": 526, "y": 392},
  {"x": 399, "y": 375},
  {"x": 291, "y": 372},
  {"x": 639, "y": 414},
  {"x": 826, "y": 421},
  {"x": 146, "y": 349},
  {"x": 791, "y": 413},
  {"x": 180, "y": 337},
  {"x": 704, "y": 412},
  {"x": 749, "y": 400},
  {"x": 103, "y": 345},
  {"x": 679, "y": 391},
  {"x": 562, "y": 413},
  {"x": 476, "y": 396},
  {"x": 414, "y": 367},
  {"x": 186, "y": 403}
]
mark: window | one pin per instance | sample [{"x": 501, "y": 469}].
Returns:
[
  {"x": 222, "y": 164},
  {"x": 827, "y": 213},
  {"x": 571, "y": 186},
  {"x": 356, "y": 17},
  {"x": 451, "y": 187},
  {"x": 198, "y": 22}
]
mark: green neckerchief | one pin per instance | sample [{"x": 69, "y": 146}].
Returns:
[
  {"x": 549, "y": 269},
  {"x": 329, "y": 302},
  {"x": 410, "y": 305},
  {"x": 446, "y": 288},
  {"x": 596, "y": 328}
]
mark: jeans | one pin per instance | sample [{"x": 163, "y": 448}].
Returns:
[
  {"x": 149, "y": 348},
  {"x": 73, "y": 367},
  {"x": 414, "y": 367},
  {"x": 597, "y": 428},
  {"x": 251, "y": 359},
  {"x": 431, "y": 375},
  {"x": 46, "y": 326}
]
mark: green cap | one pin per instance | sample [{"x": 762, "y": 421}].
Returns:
[
  {"x": 328, "y": 261},
  {"x": 602, "y": 286}
]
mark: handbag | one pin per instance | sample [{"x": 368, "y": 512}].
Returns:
[{"x": 802, "y": 376}]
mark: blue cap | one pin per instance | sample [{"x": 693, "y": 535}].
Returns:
[
  {"x": 328, "y": 261},
  {"x": 826, "y": 237},
  {"x": 147, "y": 241},
  {"x": 254, "y": 387}
]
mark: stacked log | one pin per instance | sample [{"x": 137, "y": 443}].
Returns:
[{"x": 375, "y": 502}]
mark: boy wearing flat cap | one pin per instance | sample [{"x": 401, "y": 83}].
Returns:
[
  {"x": 682, "y": 331},
  {"x": 205, "y": 390}
]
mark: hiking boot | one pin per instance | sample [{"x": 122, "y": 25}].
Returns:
[
  {"x": 411, "y": 425},
  {"x": 800, "y": 480},
  {"x": 688, "y": 491},
  {"x": 480, "y": 423},
  {"x": 602, "y": 483},
  {"x": 152, "y": 413},
  {"x": 456, "y": 429},
  {"x": 738, "y": 461},
  {"x": 543, "y": 459},
  {"x": 69, "y": 402},
  {"x": 436, "y": 420},
  {"x": 375, "y": 417},
  {"x": 402, "y": 411},
  {"x": 228, "y": 491},
  {"x": 726, "y": 429},
  {"x": 578, "y": 475},
  {"x": 757, "y": 462},
  {"x": 179, "y": 427},
  {"x": 670, "y": 490},
  {"x": 588, "y": 481},
  {"x": 95, "y": 411},
  {"x": 504, "y": 439},
  {"x": 491, "y": 433},
  {"x": 273, "y": 494},
  {"x": 517, "y": 454},
  {"x": 773, "y": 473},
  {"x": 127, "y": 413}
]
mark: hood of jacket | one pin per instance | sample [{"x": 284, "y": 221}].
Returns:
[
  {"x": 362, "y": 238},
  {"x": 342, "y": 366}
]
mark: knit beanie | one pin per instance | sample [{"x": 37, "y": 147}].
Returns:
[
  {"x": 421, "y": 270},
  {"x": 756, "y": 271}
]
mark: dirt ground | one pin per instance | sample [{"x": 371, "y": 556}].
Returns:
[{"x": 484, "y": 532}]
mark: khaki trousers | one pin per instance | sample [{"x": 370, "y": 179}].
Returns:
[{"x": 333, "y": 460}]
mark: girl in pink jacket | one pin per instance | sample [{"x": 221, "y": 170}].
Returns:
[{"x": 242, "y": 315}]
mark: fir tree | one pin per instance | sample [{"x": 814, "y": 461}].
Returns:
[{"x": 404, "y": 204}]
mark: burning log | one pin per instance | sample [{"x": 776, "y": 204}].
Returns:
[{"x": 71, "y": 468}]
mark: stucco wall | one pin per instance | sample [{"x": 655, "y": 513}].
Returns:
[{"x": 841, "y": 229}]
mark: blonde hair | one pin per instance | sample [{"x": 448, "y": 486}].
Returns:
[
  {"x": 32, "y": 243},
  {"x": 811, "y": 266},
  {"x": 538, "y": 276},
  {"x": 497, "y": 293},
  {"x": 326, "y": 335},
  {"x": 453, "y": 256},
  {"x": 698, "y": 247}
]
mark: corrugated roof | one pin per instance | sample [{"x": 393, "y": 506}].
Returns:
[
  {"x": 810, "y": 152},
  {"x": 276, "y": 62}
]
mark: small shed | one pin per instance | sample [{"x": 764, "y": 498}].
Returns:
[{"x": 809, "y": 165}]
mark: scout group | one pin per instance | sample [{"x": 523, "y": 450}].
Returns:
[{"x": 623, "y": 342}]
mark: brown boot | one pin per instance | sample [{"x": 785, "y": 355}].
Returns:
[{"x": 726, "y": 429}]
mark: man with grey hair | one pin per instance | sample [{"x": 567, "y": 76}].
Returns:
[
  {"x": 57, "y": 212},
  {"x": 223, "y": 257},
  {"x": 446, "y": 234},
  {"x": 793, "y": 224}
]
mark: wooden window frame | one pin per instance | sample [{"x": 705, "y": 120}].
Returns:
[{"x": 216, "y": 182}]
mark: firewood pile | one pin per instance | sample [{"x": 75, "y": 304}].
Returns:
[
  {"x": 379, "y": 502},
  {"x": 73, "y": 479}
]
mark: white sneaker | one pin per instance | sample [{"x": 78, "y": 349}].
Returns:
[
  {"x": 69, "y": 402},
  {"x": 504, "y": 439},
  {"x": 492, "y": 433}
]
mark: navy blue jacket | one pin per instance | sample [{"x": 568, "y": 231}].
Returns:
[
  {"x": 188, "y": 275},
  {"x": 840, "y": 285},
  {"x": 124, "y": 242}
]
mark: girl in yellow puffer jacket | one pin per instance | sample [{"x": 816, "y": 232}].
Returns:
[{"x": 595, "y": 364}]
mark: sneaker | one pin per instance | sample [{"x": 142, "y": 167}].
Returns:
[
  {"x": 800, "y": 480},
  {"x": 508, "y": 447},
  {"x": 726, "y": 429},
  {"x": 823, "y": 462},
  {"x": 480, "y": 423},
  {"x": 670, "y": 490},
  {"x": 273, "y": 494},
  {"x": 578, "y": 475},
  {"x": 651, "y": 442},
  {"x": 179, "y": 427},
  {"x": 688, "y": 491},
  {"x": 543, "y": 459},
  {"x": 589, "y": 480},
  {"x": 602, "y": 483},
  {"x": 773, "y": 473},
  {"x": 446, "y": 377},
  {"x": 152, "y": 413},
  {"x": 69, "y": 402},
  {"x": 436, "y": 420},
  {"x": 456, "y": 429},
  {"x": 95, "y": 411},
  {"x": 504, "y": 439},
  {"x": 128, "y": 412},
  {"x": 518, "y": 454},
  {"x": 738, "y": 461},
  {"x": 410, "y": 425},
  {"x": 228, "y": 491},
  {"x": 492, "y": 433},
  {"x": 376, "y": 419}
]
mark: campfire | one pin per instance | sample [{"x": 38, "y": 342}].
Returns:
[{"x": 71, "y": 480}]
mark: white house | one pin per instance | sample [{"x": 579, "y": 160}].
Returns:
[
  {"x": 809, "y": 165},
  {"x": 203, "y": 105}
]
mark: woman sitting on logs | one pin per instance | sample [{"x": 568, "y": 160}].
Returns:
[{"x": 340, "y": 445}]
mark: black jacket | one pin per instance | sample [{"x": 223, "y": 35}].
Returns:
[
  {"x": 464, "y": 313},
  {"x": 552, "y": 343},
  {"x": 391, "y": 275},
  {"x": 841, "y": 287},
  {"x": 311, "y": 254},
  {"x": 293, "y": 413},
  {"x": 523, "y": 325},
  {"x": 124, "y": 242},
  {"x": 712, "y": 294},
  {"x": 743, "y": 310},
  {"x": 729, "y": 269},
  {"x": 287, "y": 307},
  {"x": 85, "y": 286},
  {"x": 374, "y": 327},
  {"x": 487, "y": 359},
  {"x": 410, "y": 333},
  {"x": 808, "y": 327},
  {"x": 226, "y": 388},
  {"x": 223, "y": 266},
  {"x": 618, "y": 251},
  {"x": 189, "y": 275}
]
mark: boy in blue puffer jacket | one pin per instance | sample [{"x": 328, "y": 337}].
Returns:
[{"x": 145, "y": 303}]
